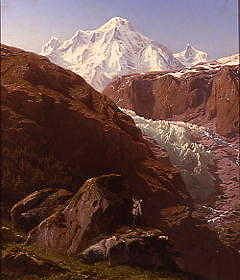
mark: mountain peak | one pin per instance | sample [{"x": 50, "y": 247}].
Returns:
[
  {"x": 114, "y": 49},
  {"x": 114, "y": 22},
  {"x": 191, "y": 56},
  {"x": 190, "y": 50},
  {"x": 51, "y": 45},
  {"x": 117, "y": 20}
]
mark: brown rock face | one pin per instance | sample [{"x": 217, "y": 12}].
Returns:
[
  {"x": 100, "y": 206},
  {"x": 30, "y": 211},
  {"x": 223, "y": 103},
  {"x": 58, "y": 131},
  {"x": 200, "y": 96}
]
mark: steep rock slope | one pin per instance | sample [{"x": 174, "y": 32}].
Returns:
[
  {"x": 207, "y": 94},
  {"x": 58, "y": 131},
  {"x": 112, "y": 50},
  {"x": 191, "y": 56},
  {"x": 209, "y": 166},
  {"x": 98, "y": 210}
]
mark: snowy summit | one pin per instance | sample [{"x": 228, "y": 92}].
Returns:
[
  {"x": 191, "y": 56},
  {"x": 114, "y": 49}
]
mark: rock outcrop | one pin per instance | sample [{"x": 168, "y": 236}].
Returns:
[
  {"x": 30, "y": 211},
  {"x": 204, "y": 94},
  {"x": 223, "y": 103},
  {"x": 100, "y": 206},
  {"x": 138, "y": 247},
  {"x": 94, "y": 215},
  {"x": 58, "y": 131},
  {"x": 22, "y": 264}
]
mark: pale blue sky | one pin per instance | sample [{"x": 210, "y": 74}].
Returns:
[{"x": 211, "y": 25}]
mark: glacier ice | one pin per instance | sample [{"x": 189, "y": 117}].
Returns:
[{"x": 194, "y": 160}]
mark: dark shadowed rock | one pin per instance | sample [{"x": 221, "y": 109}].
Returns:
[
  {"x": 58, "y": 131},
  {"x": 100, "y": 206},
  {"x": 30, "y": 211},
  {"x": 8, "y": 235},
  {"x": 22, "y": 264},
  {"x": 137, "y": 247}
]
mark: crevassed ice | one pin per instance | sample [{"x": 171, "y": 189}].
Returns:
[{"x": 194, "y": 160}]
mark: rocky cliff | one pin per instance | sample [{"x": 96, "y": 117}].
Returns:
[
  {"x": 58, "y": 132},
  {"x": 205, "y": 94}
]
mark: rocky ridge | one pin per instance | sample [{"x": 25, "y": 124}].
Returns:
[{"x": 55, "y": 112}]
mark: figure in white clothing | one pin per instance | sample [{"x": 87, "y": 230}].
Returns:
[{"x": 137, "y": 211}]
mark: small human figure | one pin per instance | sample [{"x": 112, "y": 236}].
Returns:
[{"x": 137, "y": 211}]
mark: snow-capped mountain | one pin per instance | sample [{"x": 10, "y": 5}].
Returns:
[
  {"x": 114, "y": 49},
  {"x": 191, "y": 56},
  {"x": 230, "y": 60}
]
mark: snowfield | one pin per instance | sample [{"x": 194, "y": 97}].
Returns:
[{"x": 114, "y": 49}]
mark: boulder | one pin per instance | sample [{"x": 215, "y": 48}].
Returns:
[
  {"x": 137, "y": 247},
  {"x": 22, "y": 264},
  {"x": 9, "y": 235},
  {"x": 100, "y": 206},
  {"x": 36, "y": 207}
]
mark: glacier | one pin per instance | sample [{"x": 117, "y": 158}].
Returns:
[{"x": 195, "y": 161}]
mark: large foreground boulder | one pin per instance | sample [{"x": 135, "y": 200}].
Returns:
[
  {"x": 100, "y": 206},
  {"x": 30, "y": 211},
  {"x": 147, "y": 248},
  {"x": 103, "y": 206}
]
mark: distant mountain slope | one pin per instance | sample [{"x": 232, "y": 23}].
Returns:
[
  {"x": 114, "y": 49},
  {"x": 206, "y": 94},
  {"x": 229, "y": 60},
  {"x": 58, "y": 131},
  {"x": 191, "y": 56}
]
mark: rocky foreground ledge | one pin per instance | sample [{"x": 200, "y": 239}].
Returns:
[{"x": 58, "y": 131}]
